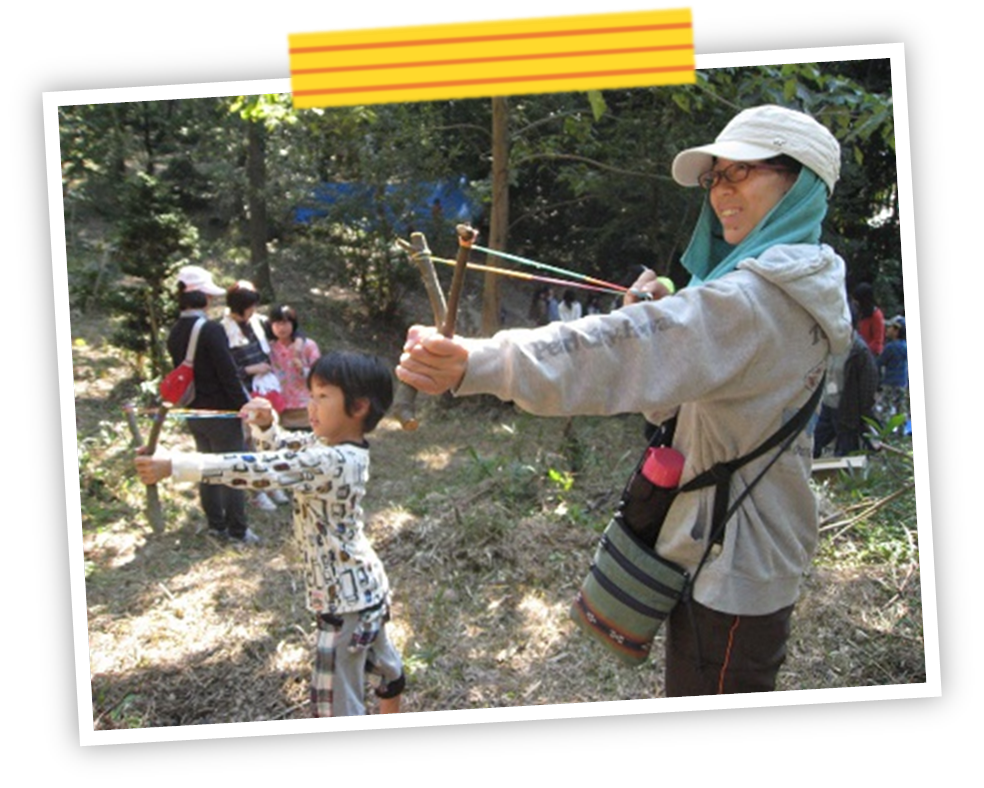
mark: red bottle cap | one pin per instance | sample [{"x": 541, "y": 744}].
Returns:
[{"x": 663, "y": 467}]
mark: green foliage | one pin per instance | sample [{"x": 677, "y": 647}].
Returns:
[
  {"x": 153, "y": 238},
  {"x": 128, "y": 713},
  {"x": 391, "y": 150},
  {"x": 91, "y": 273},
  {"x": 103, "y": 145},
  {"x": 563, "y": 480},
  {"x": 589, "y": 175},
  {"x": 103, "y": 475},
  {"x": 271, "y": 109},
  {"x": 528, "y": 478},
  {"x": 380, "y": 272},
  {"x": 515, "y": 481},
  {"x": 589, "y": 172},
  {"x": 153, "y": 234},
  {"x": 597, "y": 101},
  {"x": 569, "y": 506}
]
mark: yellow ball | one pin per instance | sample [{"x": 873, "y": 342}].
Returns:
[{"x": 667, "y": 283}]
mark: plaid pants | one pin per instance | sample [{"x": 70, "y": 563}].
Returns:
[{"x": 340, "y": 675}]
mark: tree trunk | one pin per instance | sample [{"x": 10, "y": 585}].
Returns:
[
  {"x": 258, "y": 224},
  {"x": 499, "y": 220}
]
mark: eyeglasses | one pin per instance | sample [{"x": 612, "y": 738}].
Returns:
[{"x": 734, "y": 173}]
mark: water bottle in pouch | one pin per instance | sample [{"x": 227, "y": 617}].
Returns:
[{"x": 651, "y": 491}]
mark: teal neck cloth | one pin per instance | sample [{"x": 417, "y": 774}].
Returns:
[{"x": 795, "y": 219}]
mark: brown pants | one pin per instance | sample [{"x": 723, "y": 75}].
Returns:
[{"x": 711, "y": 653}]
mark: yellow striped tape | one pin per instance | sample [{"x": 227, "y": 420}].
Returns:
[{"x": 473, "y": 60}]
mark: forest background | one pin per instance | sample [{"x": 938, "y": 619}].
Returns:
[
  {"x": 580, "y": 180},
  {"x": 149, "y": 186}
]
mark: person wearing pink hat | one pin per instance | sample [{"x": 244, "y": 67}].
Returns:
[
  {"x": 731, "y": 358},
  {"x": 217, "y": 387}
]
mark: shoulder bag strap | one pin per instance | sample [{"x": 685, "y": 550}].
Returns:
[
  {"x": 720, "y": 474},
  {"x": 717, "y": 533},
  {"x": 259, "y": 329},
  {"x": 193, "y": 342}
]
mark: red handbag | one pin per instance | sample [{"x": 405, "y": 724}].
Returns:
[{"x": 178, "y": 386}]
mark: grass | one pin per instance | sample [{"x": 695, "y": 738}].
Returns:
[{"x": 876, "y": 506}]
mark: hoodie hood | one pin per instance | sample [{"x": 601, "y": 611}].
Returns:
[
  {"x": 813, "y": 276},
  {"x": 795, "y": 219}
]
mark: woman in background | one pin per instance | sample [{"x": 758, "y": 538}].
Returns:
[
  {"x": 217, "y": 387},
  {"x": 247, "y": 335}
]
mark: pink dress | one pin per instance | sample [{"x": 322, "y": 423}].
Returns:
[{"x": 292, "y": 362}]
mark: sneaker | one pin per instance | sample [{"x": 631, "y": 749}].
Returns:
[
  {"x": 279, "y": 497},
  {"x": 248, "y": 538},
  {"x": 262, "y": 501}
]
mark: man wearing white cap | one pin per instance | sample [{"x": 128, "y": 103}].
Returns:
[{"x": 733, "y": 357}]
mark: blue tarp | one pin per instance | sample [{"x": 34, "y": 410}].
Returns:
[{"x": 401, "y": 206}]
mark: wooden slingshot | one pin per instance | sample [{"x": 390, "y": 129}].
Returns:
[{"x": 445, "y": 311}]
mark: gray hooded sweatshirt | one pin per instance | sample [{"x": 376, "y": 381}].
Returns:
[{"x": 734, "y": 359}]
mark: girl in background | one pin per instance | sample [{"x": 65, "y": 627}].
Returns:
[{"x": 292, "y": 354}]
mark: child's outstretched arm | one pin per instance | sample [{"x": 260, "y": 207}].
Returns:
[
  {"x": 158, "y": 467},
  {"x": 153, "y": 469}
]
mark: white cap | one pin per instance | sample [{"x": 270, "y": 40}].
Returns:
[
  {"x": 763, "y": 133},
  {"x": 194, "y": 277}
]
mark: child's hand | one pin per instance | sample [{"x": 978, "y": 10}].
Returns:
[
  {"x": 152, "y": 469},
  {"x": 257, "y": 411},
  {"x": 367, "y": 630},
  {"x": 258, "y": 369},
  {"x": 432, "y": 363}
]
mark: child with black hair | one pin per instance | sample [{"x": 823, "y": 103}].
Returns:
[
  {"x": 292, "y": 355},
  {"x": 327, "y": 471}
]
